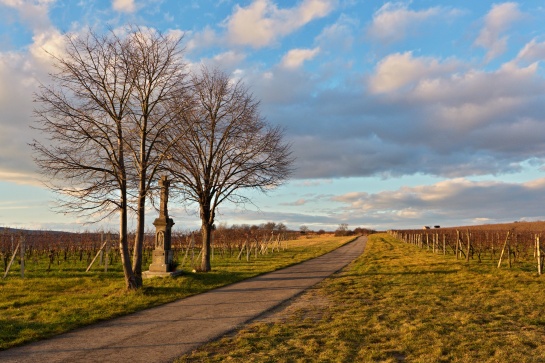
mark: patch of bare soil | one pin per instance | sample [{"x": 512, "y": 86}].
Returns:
[{"x": 308, "y": 305}]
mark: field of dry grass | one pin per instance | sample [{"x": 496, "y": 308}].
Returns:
[{"x": 400, "y": 303}]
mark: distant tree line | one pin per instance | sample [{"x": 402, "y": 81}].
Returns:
[{"x": 341, "y": 231}]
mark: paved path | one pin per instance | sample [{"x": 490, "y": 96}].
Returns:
[{"x": 164, "y": 333}]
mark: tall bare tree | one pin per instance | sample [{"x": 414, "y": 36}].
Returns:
[
  {"x": 159, "y": 79},
  {"x": 224, "y": 146},
  {"x": 104, "y": 115}
]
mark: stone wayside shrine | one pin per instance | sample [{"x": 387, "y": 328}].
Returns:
[{"x": 161, "y": 264}]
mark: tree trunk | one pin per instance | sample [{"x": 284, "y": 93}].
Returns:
[
  {"x": 141, "y": 208},
  {"x": 206, "y": 247},
  {"x": 139, "y": 239},
  {"x": 128, "y": 272}
]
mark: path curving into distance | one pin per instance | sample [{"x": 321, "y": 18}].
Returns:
[{"x": 164, "y": 333}]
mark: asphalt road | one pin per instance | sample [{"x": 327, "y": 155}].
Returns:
[{"x": 166, "y": 332}]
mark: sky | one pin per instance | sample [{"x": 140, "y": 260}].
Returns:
[{"x": 400, "y": 113}]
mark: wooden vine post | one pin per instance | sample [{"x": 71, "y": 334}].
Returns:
[
  {"x": 96, "y": 256},
  {"x": 459, "y": 246},
  {"x": 509, "y": 252},
  {"x": 538, "y": 255},
  {"x": 12, "y": 259},
  {"x": 457, "y": 239},
  {"x": 468, "y": 246},
  {"x": 503, "y": 249}
]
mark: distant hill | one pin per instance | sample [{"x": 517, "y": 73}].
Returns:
[{"x": 29, "y": 231}]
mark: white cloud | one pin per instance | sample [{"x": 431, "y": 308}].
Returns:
[
  {"x": 124, "y": 6},
  {"x": 296, "y": 57},
  {"x": 479, "y": 86},
  {"x": 227, "y": 61},
  {"x": 17, "y": 83},
  {"x": 456, "y": 200},
  {"x": 338, "y": 36},
  {"x": 402, "y": 69},
  {"x": 32, "y": 13},
  {"x": 201, "y": 40},
  {"x": 392, "y": 21},
  {"x": 20, "y": 178},
  {"x": 297, "y": 203},
  {"x": 262, "y": 22},
  {"x": 411, "y": 115},
  {"x": 532, "y": 52},
  {"x": 469, "y": 100},
  {"x": 45, "y": 44},
  {"x": 496, "y": 22}
]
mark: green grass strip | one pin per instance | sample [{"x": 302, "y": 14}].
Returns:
[
  {"x": 48, "y": 303},
  {"x": 398, "y": 303}
]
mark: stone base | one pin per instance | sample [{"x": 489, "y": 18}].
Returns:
[{"x": 150, "y": 274}]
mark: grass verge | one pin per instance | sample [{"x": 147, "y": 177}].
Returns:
[
  {"x": 47, "y": 303},
  {"x": 398, "y": 303}
]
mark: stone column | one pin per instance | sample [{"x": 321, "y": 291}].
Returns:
[{"x": 162, "y": 254}]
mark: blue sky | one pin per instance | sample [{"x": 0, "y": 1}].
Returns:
[{"x": 401, "y": 113}]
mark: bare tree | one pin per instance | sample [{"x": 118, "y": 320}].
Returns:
[
  {"x": 104, "y": 115},
  {"x": 159, "y": 79},
  {"x": 224, "y": 145},
  {"x": 342, "y": 230}
]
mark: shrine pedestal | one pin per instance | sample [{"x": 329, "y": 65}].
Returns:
[{"x": 161, "y": 263}]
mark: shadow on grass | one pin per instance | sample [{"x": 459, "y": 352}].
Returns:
[
  {"x": 15, "y": 331},
  {"x": 192, "y": 283}
]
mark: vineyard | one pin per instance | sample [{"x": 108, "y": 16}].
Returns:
[
  {"x": 504, "y": 244},
  {"x": 28, "y": 252}
]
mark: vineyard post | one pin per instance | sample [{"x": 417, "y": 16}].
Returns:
[
  {"x": 444, "y": 244},
  {"x": 509, "y": 252},
  {"x": 428, "y": 241},
  {"x": 22, "y": 241},
  {"x": 468, "y": 245},
  {"x": 538, "y": 252},
  {"x": 242, "y": 250},
  {"x": 96, "y": 256},
  {"x": 503, "y": 249},
  {"x": 457, "y": 242},
  {"x": 12, "y": 258},
  {"x": 541, "y": 256},
  {"x": 535, "y": 245}
]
